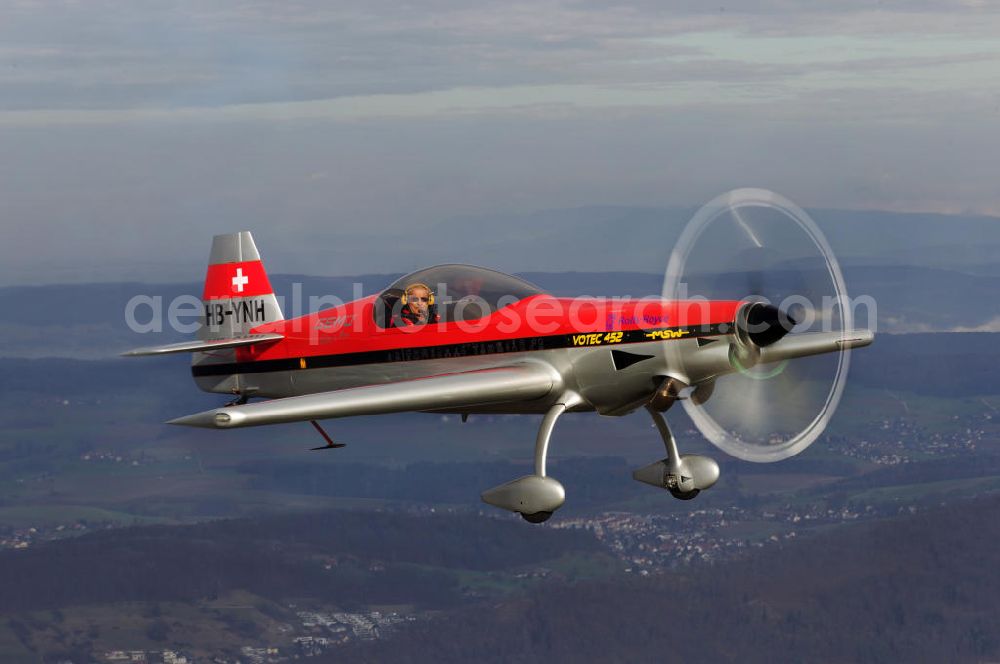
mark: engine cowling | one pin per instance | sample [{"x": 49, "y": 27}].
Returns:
[{"x": 758, "y": 325}]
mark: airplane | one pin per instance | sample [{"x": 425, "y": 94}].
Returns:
[{"x": 492, "y": 344}]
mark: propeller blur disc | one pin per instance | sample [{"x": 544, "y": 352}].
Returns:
[{"x": 753, "y": 244}]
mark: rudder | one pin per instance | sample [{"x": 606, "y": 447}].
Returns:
[{"x": 238, "y": 295}]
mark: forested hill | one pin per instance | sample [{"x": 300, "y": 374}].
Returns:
[
  {"x": 918, "y": 589},
  {"x": 276, "y": 557}
]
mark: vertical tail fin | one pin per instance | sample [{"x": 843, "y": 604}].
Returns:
[
  {"x": 237, "y": 298},
  {"x": 238, "y": 295}
]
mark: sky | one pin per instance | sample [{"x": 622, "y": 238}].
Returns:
[{"x": 132, "y": 131}]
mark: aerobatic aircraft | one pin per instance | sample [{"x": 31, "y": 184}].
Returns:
[{"x": 468, "y": 340}]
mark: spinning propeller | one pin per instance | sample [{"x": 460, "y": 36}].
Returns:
[{"x": 756, "y": 246}]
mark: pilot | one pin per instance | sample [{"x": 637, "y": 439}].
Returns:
[{"x": 418, "y": 306}]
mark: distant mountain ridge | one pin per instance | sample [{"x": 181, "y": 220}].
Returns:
[
  {"x": 628, "y": 238},
  {"x": 597, "y": 238}
]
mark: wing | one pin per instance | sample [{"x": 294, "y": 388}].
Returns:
[
  {"x": 520, "y": 382},
  {"x": 205, "y": 345},
  {"x": 815, "y": 343}
]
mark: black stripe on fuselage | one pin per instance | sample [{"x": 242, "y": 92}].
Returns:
[{"x": 468, "y": 349}]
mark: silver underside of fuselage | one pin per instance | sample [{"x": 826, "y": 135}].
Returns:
[{"x": 589, "y": 372}]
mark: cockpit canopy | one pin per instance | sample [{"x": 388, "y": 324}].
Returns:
[{"x": 461, "y": 292}]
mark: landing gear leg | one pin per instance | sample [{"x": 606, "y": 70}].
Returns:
[
  {"x": 684, "y": 476},
  {"x": 544, "y": 434},
  {"x": 534, "y": 497},
  {"x": 673, "y": 455}
]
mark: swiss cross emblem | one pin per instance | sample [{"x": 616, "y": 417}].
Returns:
[{"x": 240, "y": 280}]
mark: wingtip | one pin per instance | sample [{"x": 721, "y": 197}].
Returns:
[
  {"x": 206, "y": 419},
  {"x": 217, "y": 418},
  {"x": 859, "y": 339}
]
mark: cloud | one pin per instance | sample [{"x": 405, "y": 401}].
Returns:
[
  {"x": 127, "y": 125},
  {"x": 992, "y": 325},
  {"x": 108, "y": 54}
]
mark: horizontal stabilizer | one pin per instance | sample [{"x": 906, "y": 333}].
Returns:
[
  {"x": 204, "y": 345},
  {"x": 446, "y": 391}
]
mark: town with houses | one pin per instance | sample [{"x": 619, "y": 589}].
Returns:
[{"x": 321, "y": 631}]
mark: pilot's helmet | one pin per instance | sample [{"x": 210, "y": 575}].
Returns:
[{"x": 405, "y": 299}]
